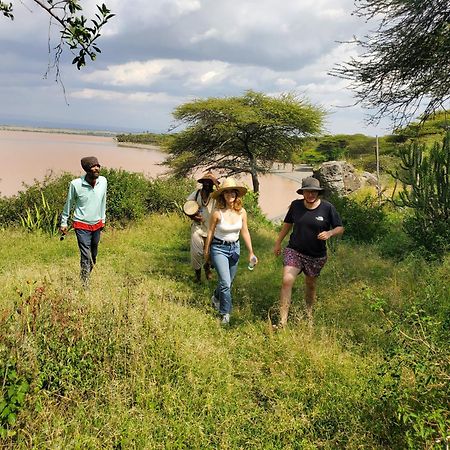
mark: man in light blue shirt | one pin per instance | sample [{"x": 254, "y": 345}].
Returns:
[{"x": 87, "y": 195}]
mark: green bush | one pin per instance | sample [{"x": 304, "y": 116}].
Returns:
[
  {"x": 253, "y": 209},
  {"x": 396, "y": 244},
  {"x": 130, "y": 197},
  {"x": 364, "y": 221},
  {"x": 54, "y": 190},
  {"x": 14, "y": 388},
  {"x": 165, "y": 195},
  {"x": 126, "y": 196},
  {"x": 416, "y": 385},
  {"x": 42, "y": 217},
  {"x": 426, "y": 192}
]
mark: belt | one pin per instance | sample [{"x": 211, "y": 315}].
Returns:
[{"x": 219, "y": 241}]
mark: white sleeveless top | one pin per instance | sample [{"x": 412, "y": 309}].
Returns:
[{"x": 228, "y": 231}]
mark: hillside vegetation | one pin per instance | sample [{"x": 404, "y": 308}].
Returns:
[
  {"x": 140, "y": 360},
  {"x": 358, "y": 149}
]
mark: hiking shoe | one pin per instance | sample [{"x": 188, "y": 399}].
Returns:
[
  {"x": 225, "y": 319},
  {"x": 215, "y": 303}
]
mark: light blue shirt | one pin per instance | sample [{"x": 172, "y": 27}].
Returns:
[{"x": 90, "y": 202}]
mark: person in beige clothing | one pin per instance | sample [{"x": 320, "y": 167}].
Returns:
[{"x": 200, "y": 223}]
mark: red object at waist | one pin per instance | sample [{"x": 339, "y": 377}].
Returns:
[{"x": 86, "y": 226}]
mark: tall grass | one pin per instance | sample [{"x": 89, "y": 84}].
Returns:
[{"x": 140, "y": 360}]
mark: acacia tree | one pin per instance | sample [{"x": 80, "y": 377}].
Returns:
[
  {"x": 405, "y": 63},
  {"x": 79, "y": 35},
  {"x": 241, "y": 134}
]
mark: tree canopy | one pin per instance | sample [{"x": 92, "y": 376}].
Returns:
[
  {"x": 76, "y": 32},
  {"x": 241, "y": 134},
  {"x": 405, "y": 63}
]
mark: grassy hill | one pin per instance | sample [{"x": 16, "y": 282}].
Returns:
[{"x": 140, "y": 360}]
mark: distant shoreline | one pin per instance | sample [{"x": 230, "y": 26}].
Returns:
[{"x": 103, "y": 133}]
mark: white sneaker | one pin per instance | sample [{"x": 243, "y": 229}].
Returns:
[
  {"x": 225, "y": 319},
  {"x": 215, "y": 303}
]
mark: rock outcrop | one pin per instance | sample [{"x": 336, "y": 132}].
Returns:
[{"x": 338, "y": 177}]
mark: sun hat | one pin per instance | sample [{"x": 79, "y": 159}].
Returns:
[
  {"x": 190, "y": 207},
  {"x": 209, "y": 176},
  {"x": 310, "y": 184},
  {"x": 89, "y": 161},
  {"x": 227, "y": 185}
]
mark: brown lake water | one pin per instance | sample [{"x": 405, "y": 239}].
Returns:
[{"x": 28, "y": 155}]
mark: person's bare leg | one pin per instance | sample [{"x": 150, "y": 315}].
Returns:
[
  {"x": 310, "y": 295},
  {"x": 289, "y": 276}
]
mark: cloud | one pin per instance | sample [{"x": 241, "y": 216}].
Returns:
[
  {"x": 125, "y": 97},
  {"x": 156, "y": 55}
]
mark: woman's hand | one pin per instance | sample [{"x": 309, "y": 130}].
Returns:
[
  {"x": 277, "y": 249},
  {"x": 252, "y": 258},
  {"x": 324, "y": 236}
]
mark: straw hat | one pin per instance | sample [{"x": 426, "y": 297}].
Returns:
[
  {"x": 227, "y": 185},
  {"x": 209, "y": 176},
  {"x": 310, "y": 184},
  {"x": 190, "y": 207}
]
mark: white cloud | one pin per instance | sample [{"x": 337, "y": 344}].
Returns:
[
  {"x": 115, "y": 96},
  {"x": 158, "y": 54}
]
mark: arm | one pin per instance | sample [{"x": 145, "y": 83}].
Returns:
[
  {"x": 285, "y": 229},
  {"x": 325, "y": 235},
  {"x": 67, "y": 207},
  {"x": 103, "y": 206},
  {"x": 246, "y": 236},
  {"x": 212, "y": 227}
]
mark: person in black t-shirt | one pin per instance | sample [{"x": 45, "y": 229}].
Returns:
[{"x": 313, "y": 221}]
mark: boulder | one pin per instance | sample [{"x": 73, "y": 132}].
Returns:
[
  {"x": 338, "y": 177},
  {"x": 369, "y": 178}
]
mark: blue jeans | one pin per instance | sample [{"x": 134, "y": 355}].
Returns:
[
  {"x": 88, "y": 245},
  {"x": 225, "y": 259}
]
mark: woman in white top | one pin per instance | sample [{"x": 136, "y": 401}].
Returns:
[{"x": 222, "y": 242}]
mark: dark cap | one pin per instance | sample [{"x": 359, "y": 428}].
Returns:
[
  {"x": 89, "y": 161},
  {"x": 310, "y": 184}
]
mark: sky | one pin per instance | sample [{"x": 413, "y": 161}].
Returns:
[{"x": 159, "y": 54}]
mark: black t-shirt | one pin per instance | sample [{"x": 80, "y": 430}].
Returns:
[{"x": 308, "y": 223}]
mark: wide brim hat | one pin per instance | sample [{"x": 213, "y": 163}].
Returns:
[
  {"x": 227, "y": 185},
  {"x": 310, "y": 184},
  {"x": 191, "y": 207},
  {"x": 209, "y": 176}
]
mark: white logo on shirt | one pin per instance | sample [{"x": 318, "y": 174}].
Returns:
[{"x": 319, "y": 218}]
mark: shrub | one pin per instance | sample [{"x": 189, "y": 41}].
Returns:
[
  {"x": 41, "y": 217},
  {"x": 14, "y": 388},
  {"x": 426, "y": 190},
  {"x": 415, "y": 376},
  {"x": 165, "y": 195},
  {"x": 253, "y": 209},
  {"x": 54, "y": 190},
  {"x": 130, "y": 197},
  {"x": 364, "y": 221},
  {"x": 126, "y": 196}
]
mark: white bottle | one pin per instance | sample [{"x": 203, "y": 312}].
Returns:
[{"x": 252, "y": 263}]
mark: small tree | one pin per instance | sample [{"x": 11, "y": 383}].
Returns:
[
  {"x": 426, "y": 189},
  {"x": 241, "y": 134},
  {"x": 333, "y": 147}
]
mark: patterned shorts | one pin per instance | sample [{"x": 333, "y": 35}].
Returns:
[{"x": 307, "y": 264}]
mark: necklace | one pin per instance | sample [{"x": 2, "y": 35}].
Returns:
[{"x": 204, "y": 203}]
